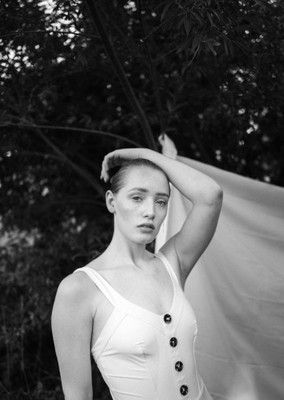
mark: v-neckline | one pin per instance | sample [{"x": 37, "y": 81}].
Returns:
[{"x": 132, "y": 304}]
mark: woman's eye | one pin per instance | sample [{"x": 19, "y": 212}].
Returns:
[
  {"x": 137, "y": 198},
  {"x": 162, "y": 202}
]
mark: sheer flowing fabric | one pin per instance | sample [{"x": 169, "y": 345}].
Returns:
[{"x": 237, "y": 289}]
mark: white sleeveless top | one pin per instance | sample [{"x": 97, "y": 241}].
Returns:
[{"x": 146, "y": 356}]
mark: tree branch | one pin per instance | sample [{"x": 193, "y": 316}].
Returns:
[
  {"x": 67, "y": 128},
  {"x": 153, "y": 69},
  {"x": 94, "y": 12},
  {"x": 59, "y": 32},
  {"x": 80, "y": 171}
]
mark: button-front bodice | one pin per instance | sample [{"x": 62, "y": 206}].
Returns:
[{"x": 146, "y": 356}]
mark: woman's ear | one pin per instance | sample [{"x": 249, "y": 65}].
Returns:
[{"x": 110, "y": 201}]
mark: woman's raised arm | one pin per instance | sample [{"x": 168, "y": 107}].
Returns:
[{"x": 184, "y": 249}]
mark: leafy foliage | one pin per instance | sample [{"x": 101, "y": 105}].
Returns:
[{"x": 209, "y": 73}]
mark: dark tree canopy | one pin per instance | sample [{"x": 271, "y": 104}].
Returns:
[{"x": 81, "y": 78}]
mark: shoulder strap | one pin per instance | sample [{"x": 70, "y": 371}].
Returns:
[
  {"x": 168, "y": 265},
  {"x": 102, "y": 284}
]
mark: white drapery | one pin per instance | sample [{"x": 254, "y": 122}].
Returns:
[{"x": 237, "y": 289}]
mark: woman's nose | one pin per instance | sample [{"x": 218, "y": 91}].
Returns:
[{"x": 149, "y": 210}]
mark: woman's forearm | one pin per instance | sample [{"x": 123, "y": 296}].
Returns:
[{"x": 193, "y": 184}]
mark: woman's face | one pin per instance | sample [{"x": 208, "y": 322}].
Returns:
[{"x": 140, "y": 206}]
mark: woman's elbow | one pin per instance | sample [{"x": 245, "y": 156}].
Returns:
[
  {"x": 218, "y": 193},
  {"x": 214, "y": 196}
]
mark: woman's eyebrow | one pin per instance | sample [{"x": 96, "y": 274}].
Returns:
[
  {"x": 163, "y": 194},
  {"x": 138, "y": 189},
  {"x": 143, "y": 190}
]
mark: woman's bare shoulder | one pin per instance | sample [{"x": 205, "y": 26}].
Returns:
[{"x": 77, "y": 286}]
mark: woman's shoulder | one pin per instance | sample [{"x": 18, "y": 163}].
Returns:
[
  {"x": 73, "y": 284},
  {"x": 75, "y": 299},
  {"x": 77, "y": 286}
]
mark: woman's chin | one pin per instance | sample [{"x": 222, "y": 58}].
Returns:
[{"x": 145, "y": 240}]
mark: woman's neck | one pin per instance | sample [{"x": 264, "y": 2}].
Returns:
[{"x": 122, "y": 251}]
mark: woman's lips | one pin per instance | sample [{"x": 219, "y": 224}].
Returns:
[{"x": 149, "y": 227}]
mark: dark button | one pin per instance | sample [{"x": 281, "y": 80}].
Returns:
[
  {"x": 179, "y": 366},
  {"x": 173, "y": 341},
  {"x": 184, "y": 390},
  {"x": 167, "y": 318}
]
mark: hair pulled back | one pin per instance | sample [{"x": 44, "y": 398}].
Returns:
[{"x": 119, "y": 174}]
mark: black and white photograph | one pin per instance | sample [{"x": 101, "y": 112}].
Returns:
[{"x": 141, "y": 200}]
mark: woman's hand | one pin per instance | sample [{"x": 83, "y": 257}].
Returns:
[
  {"x": 119, "y": 157},
  {"x": 168, "y": 146}
]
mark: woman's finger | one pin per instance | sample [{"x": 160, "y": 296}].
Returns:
[{"x": 110, "y": 161}]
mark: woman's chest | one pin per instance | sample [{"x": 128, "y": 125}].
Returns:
[
  {"x": 143, "y": 353},
  {"x": 133, "y": 330},
  {"x": 153, "y": 292}
]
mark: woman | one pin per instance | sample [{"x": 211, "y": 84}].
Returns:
[{"x": 135, "y": 319}]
